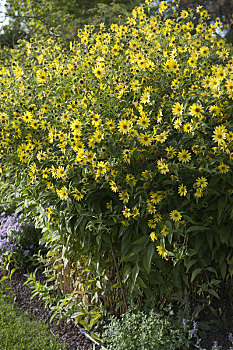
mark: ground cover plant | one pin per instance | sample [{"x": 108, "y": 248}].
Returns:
[{"x": 121, "y": 148}]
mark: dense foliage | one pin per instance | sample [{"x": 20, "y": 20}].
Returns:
[
  {"x": 144, "y": 331},
  {"x": 122, "y": 148}
]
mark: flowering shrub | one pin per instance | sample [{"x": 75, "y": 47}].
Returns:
[
  {"x": 123, "y": 147},
  {"x": 9, "y": 226},
  {"x": 18, "y": 240}
]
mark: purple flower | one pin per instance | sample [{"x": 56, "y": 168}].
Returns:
[
  {"x": 215, "y": 344},
  {"x": 25, "y": 253},
  {"x": 184, "y": 322},
  {"x": 195, "y": 325},
  {"x": 9, "y": 227}
]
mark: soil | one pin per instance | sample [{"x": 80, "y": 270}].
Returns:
[{"x": 70, "y": 335}]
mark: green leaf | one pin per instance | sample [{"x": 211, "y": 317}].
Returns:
[
  {"x": 141, "y": 283},
  {"x": 135, "y": 273},
  {"x": 222, "y": 202},
  {"x": 195, "y": 273},
  {"x": 196, "y": 228},
  {"x": 215, "y": 294},
  {"x": 223, "y": 269},
  {"x": 190, "y": 264},
  {"x": 126, "y": 273},
  {"x": 148, "y": 257},
  {"x": 211, "y": 269}
]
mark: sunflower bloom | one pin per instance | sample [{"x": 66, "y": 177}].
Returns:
[
  {"x": 184, "y": 156},
  {"x": 196, "y": 109},
  {"x": 182, "y": 190},
  {"x": 175, "y": 215},
  {"x": 223, "y": 168}
]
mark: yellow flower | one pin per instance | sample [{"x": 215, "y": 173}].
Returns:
[
  {"x": 219, "y": 134},
  {"x": 201, "y": 182},
  {"x": 124, "y": 196},
  {"x": 145, "y": 139},
  {"x": 150, "y": 207},
  {"x": 143, "y": 122},
  {"x": 126, "y": 212},
  {"x": 151, "y": 223},
  {"x": 204, "y": 51},
  {"x": 199, "y": 193},
  {"x": 135, "y": 213},
  {"x": 124, "y": 126},
  {"x": 41, "y": 76},
  {"x": 182, "y": 190},
  {"x": 163, "y": 168},
  {"x": 184, "y": 14},
  {"x": 60, "y": 172},
  {"x": 188, "y": 127},
  {"x": 177, "y": 123},
  {"x": 170, "y": 152},
  {"x": 223, "y": 168},
  {"x": 156, "y": 197},
  {"x": 162, "y": 251},
  {"x": 49, "y": 212},
  {"x": 164, "y": 231},
  {"x": 175, "y": 215},
  {"x": 76, "y": 125},
  {"x": 113, "y": 186},
  {"x": 196, "y": 109},
  {"x": 145, "y": 97},
  {"x": 78, "y": 195},
  {"x": 27, "y": 117},
  {"x": 177, "y": 109},
  {"x": 184, "y": 156},
  {"x": 153, "y": 236},
  {"x": 130, "y": 179},
  {"x": 62, "y": 193},
  {"x": 161, "y": 137},
  {"x": 98, "y": 71}
]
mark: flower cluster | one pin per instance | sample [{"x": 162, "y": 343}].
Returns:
[{"x": 9, "y": 227}]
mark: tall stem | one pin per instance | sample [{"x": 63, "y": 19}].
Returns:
[{"x": 118, "y": 275}]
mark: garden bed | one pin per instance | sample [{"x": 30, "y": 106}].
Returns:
[
  {"x": 67, "y": 334},
  {"x": 74, "y": 339}
]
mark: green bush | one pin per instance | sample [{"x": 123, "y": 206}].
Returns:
[
  {"x": 122, "y": 149},
  {"x": 141, "y": 331}
]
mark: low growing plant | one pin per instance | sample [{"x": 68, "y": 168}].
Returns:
[{"x": 142, "y": 331}]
